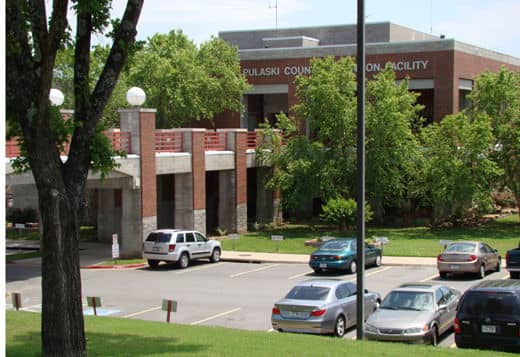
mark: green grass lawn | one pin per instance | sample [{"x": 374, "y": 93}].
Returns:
[
  {"x": 126, "y": 337},
  {"x": 502, "y": 234}
]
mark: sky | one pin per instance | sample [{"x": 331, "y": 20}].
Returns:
[{"x": 491, "y": 24}]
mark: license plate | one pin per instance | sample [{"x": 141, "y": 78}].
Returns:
[
  {"x": 323, "y": 265},
  {"x": 296, "y": 314},
  {"x": 489, "y": 329},
  {"x": 454, "y": 267},
  {"x": 156, "y": 249}
]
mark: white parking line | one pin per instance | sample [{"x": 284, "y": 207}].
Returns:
[
  {"x": 143, "y": 312},
  {"x": 429, "y": 278},
  {"x": 197, "y": 269},
  {"x": 453, "y": 345},
  {"x": 505, "y": 277},
  {"x": 252, "y": 271},
  {"x": 378, "y": 271},
  {"x": 270, "y": 330},
  {"x": 299, "y": 275},
  {"x": 216, "y": 316}
]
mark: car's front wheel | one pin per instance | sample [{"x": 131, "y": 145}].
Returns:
[
  {"x": 340, "y": 326},
  {"x": 215, "y": 255},
  {"x": 184, "y": 261},
  {"x": 352, "y": 267},
  {"x": 153, "y": 263},
  {"x": 378, "y": 261}
]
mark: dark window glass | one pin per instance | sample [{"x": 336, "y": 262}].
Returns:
[
  {"x": 159, "y": 237},
  {"x": 308, "y": 293},
  {"x": 190, "y": 237},
  {"x": 180, "y": 237},
  {"x": 200, "y": 237},
  {"x": 495, "y": 303}
]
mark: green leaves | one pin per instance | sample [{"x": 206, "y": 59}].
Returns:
[{"x": 343, "y": 213}]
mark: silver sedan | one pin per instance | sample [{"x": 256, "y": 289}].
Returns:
[
  {"x": 414, "y": 312},
  {"x": 468, "y": 257},
  {"x": 320, "y": 306}
]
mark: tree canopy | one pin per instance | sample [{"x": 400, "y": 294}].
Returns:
[{"x": 184, "y": 82}]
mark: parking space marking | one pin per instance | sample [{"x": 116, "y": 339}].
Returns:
[
  {"x": 270, "y": 330},
  {"x": 453, "y": 345},
  {"x": 143, "y": 312},
  {"x": 299, "y": 275},
  {"x": 429, "y": 278},
  {"x": 505, "y": 277},
  {"x": 216, "y": 316},
  {"x": 197, "y": 269},
  {"x": 255, "y": 270},
  {"x": 378, "y": 271}
]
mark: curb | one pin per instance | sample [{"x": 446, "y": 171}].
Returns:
[{"x": 116, "y": 267}]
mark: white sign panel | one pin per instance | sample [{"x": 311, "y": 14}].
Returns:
[{"x": 276, "y": 237}]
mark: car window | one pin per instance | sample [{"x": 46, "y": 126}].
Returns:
[
  {"x": 408, "y": 300},
  {"x": 461, "y": 247},
  {"x": 308, "y": 293},
  {"x": 200, "y": 237},
  {"x": 490, "y": 250},
  {"x": 438, "y": 296},
  {"x": 336, "y": 245},
  {"x": 190, "y": 237},
  {"x": 180, "y": 237},
  {"x": 159, "y": 237},
  {"x": 342, "y": 292},
  {"x": 498, "y": 303},
  {"x": 483, "y": 248},
  {"x": 447, "y": 295}
]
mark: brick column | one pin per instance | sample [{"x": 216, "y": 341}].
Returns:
[
  {"x": 198, "y": 172},
  {"x": 141, "y": 125}
]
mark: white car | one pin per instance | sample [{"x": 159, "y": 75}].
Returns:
[{"x": 180, "y": 246}]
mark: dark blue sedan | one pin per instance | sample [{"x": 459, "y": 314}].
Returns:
[{"x": 340, "y": 254}]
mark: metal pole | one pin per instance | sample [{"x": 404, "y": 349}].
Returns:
[{"x": 360, "y": 301}]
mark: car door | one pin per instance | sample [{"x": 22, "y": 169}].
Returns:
[
  {"x": 486, "y": 255},
  {"x": 191, "y": 244},
  {"x": 370, "y": 254},
  {"x": 493, "y": 256},
  {"x": 449, "y": 299},
  {"x": 347, "y": 302},
  {"x": 443, "y": 315},
  {"x": 203, "y": 245}
]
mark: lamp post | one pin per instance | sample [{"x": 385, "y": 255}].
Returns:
[
  {"x": 56, "y": 97},
  {"x": 135, "y": 96},
  {"x": 360, "y": 241}
]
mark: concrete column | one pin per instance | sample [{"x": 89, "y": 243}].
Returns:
[
  {"x": 132, "y": 226},
  {"x": 268, "y": 209},
  {"x": 141, "y": 125},
  {"x": 108, "y": 215}
]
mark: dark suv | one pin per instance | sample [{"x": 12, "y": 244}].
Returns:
[{"x": 488, "y": 316}]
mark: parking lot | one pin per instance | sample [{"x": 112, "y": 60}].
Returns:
[{"x": 235, "y": 295}]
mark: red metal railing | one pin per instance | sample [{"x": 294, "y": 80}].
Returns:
[
  {"x": 215, "y": 141},
  {"x": 168, "y": 141},
  {"x": 120, "y": 141},
  {"x": 251, "y": 139}
]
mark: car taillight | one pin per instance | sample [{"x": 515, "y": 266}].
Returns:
[
  {"x": 456, "y": 325},
  {"x": 439, "y": 258},
  {"x": 472, "y": 257},
  {"x": 319, "y": 312},
  {"x": 171, "y": 247},
  {"x": 313, "y": 257},
  {"x": 275, "y": 311},
  {"x": 337, "y": 257}
]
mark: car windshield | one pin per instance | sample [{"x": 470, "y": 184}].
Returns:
[
  {"x": 461, "y": 247},
  {"x": 408, "y": 300},
  {"x": 479, "y": 303},
  {"x": 308, "y": 293},
  {"x": 336, "y": 245},
  {"x": 159, "y": 237}
]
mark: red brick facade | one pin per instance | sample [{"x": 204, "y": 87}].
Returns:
[
  {"x": 198, "y": 170},
  {"x": 147, "y": 162},
  {"x": 240, "y": 167}
]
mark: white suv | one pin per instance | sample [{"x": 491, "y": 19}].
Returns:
[{"x": 175, "y": 245}]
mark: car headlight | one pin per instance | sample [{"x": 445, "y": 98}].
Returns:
[
  {"x": 416, "y": 330},
  {"x": 371, "y": 328}
]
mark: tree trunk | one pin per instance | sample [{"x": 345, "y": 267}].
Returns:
[{"x": 62, "y": 313}]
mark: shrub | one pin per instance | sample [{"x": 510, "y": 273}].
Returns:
[{"x": 343, "y": 213}]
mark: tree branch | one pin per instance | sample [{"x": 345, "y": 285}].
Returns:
[
  {"x": 38, "y": 18},
  {"x": 58, "y": 25}
]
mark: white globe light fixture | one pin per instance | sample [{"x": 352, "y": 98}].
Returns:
[
  {"x": 56, "y": 97},
  {"x": 135, "y": 96}
]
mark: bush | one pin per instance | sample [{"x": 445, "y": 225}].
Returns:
[
  {"x": 21, "y": 215},
  {"x": 343, "y": 213}
]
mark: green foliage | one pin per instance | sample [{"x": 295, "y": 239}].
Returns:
[
  {"x": 497, "y": 95},
  {"x": 183, "y": 82},
  {"x": 102, "y": 155},
  {"x": 459, "y": 173},
  {"x": 343, "y": 213}
]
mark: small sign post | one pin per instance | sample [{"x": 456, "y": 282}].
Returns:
[
  {"x": 17, "y": 301},
  {"x": 233, "y": 237},
  {"x": 444, "y": 242},
  {"x": 169, "y": 306},
  {"x": 115, "y": 247},
  {"x": 94, "y": 302},
  {"x": 277, "y": 239},
  {"x": 382, "y": 241}
]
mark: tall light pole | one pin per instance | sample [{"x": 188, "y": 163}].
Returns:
[{"x": 360, "y": 241}]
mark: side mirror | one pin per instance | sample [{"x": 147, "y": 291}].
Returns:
[{"x": 366, "y": 291}]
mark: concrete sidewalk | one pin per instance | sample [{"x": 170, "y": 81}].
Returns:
[{"x": 94, "y": 253}]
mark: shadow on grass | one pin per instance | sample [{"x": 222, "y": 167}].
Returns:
[{"x": 107, "y": 344}]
